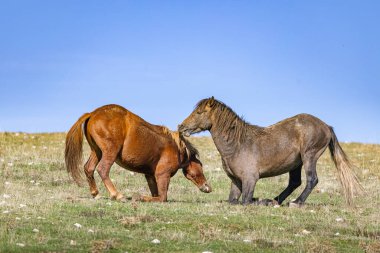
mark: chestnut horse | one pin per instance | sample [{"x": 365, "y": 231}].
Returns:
[
  {"x": 250, "y": 152},
  {"x": 117, "y": 135}
]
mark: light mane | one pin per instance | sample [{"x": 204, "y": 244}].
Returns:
[{"x": 227, "y": 121}]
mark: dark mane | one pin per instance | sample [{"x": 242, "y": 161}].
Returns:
[
  {"x": 192, "y": 151},
  {"x": 181, "y": 142},
  {"x": 227, "y": 121}
]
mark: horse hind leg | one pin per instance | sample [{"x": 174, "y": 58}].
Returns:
[
  {"x": 103, "y": 169},
  {"x": 310, "y": 166},
  {"x": 89, "y": 169},
  {"x": 294, "y": 183}
]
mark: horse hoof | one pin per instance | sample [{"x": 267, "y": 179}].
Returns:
[
  {"x": 234, "y": 202},
  {"x": 268, "y": 202},
  {"x": 295, "y": 205},
  {"x": 97, "y": 197},
  {"x": 122, "y": 199},
  {"x": 137, "y": 197}
]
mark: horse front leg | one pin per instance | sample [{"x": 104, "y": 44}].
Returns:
[
  {"x": 248, "y": 187},
  {"x": 162, "y": 187},
  {"x": 152, "y": 185},
  {"x": 235, "y": 192}
]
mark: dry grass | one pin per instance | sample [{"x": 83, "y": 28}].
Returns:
[{"x": 39, "y": 205}]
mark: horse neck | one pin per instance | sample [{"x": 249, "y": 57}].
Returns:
[{"x": 225, "y": 138}]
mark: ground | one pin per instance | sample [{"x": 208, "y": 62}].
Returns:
[{"x": 42, "y": 210}]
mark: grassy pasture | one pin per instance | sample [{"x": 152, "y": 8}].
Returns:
[{"x": 42, "y": 210}]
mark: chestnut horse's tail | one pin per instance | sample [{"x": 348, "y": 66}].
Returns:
[
  {"x": 347, "y": 177},
  {"x": 73, "y": 149}
]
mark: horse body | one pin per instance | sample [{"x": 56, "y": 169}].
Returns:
[
  {"x": 251, "y": 152},
  {"x": 117, "y": 135}
]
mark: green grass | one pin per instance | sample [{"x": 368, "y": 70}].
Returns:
[{"x": 36, "y": 193}]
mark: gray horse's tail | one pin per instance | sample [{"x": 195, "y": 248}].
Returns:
[{"x": 347, "y": 177}]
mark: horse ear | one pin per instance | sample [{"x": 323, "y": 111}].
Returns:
[{"x": 211, "y": 101}]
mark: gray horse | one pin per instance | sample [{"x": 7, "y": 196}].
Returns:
[{"x": 251, "y": 152}]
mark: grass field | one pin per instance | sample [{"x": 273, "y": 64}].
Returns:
[{"x": 42, "y": 210}]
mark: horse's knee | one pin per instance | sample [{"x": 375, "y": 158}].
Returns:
[{"x": 295, "y": 184}]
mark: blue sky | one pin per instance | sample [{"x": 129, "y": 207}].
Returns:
[{"x": 268, "y": 60}]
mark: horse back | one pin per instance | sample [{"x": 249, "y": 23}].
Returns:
[
  {"x": 283, "y": 144},
  {"x": 138, "y": 145}
]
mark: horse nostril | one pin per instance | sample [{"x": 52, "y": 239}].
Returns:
[{"x": 205, "y": 188}]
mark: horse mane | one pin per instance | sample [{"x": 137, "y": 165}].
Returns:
[
  {"x": 227, "y": 121},
  {"x": 181, "y": 142}
]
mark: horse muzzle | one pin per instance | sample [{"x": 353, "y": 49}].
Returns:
[{"x": 205, "y": 188}]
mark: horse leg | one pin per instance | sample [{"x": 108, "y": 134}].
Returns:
[
  {"x": 89, "y": 169},
  {"x": 162, "y": 186},
  {"x": 152, "y": 185},
  {"x": 104, "y": 171},
  {"x": 310, "y": 166},
  {"x": 236, "y": 185},
  {"x": 294, "y": 183},
  {"x": 248, "y": 187},
  {"x": 235, "y": 191}
]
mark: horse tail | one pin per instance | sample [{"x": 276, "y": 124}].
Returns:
[
  {"x": 73, "y": 149},
  {"x": 347, "y": 177}
]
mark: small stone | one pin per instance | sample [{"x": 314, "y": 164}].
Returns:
[
  {"x": 246, "y": 240},
  {"x": 91, "y": 231},
  {"x": 6, "y": 211},
  {"x": 305, "y": 232},
  {"x": 18, "y": 218},
  {"x": 312, "y": 211},
  {"x": 22, "y": 205},
  {"x": 7, "y": 183},
  {"x": 6, "y": 196},
  {"x": 337, "y": 234},
  {"x": 276, "y": 206},
  {"x": 207, "y": 252},
  {"x": 35, "y": 230},
  {"x": 156, "y": 241},
  {"x": 339, "y": 219},
  {"x": 218, "y": 169},
  {"x": 77, "y": 225},
  {"x": 72, "y": 242},
  {"x": 20, "y": 244}
]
